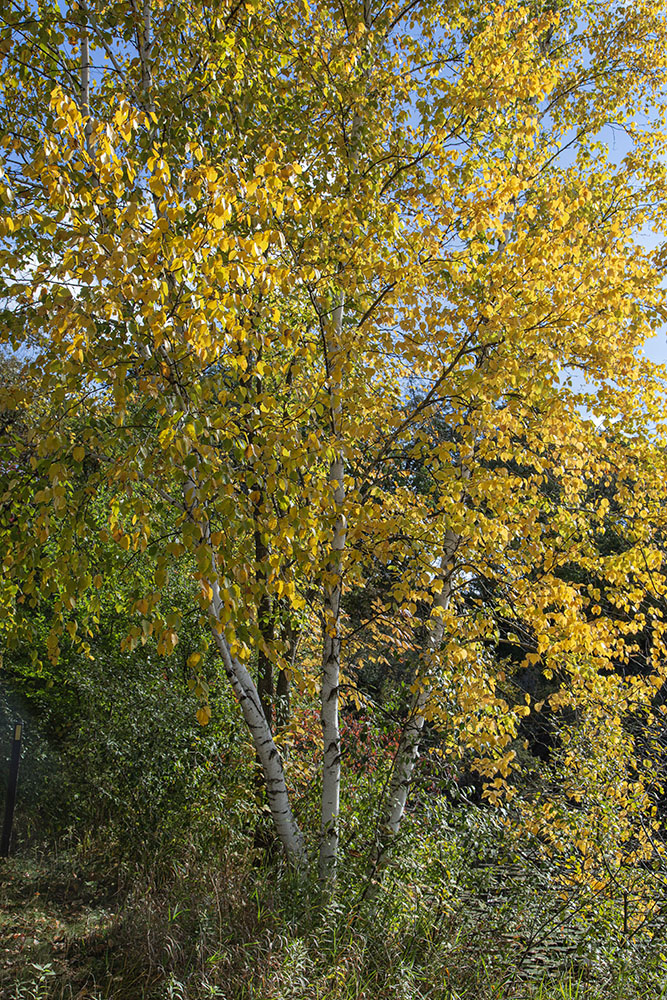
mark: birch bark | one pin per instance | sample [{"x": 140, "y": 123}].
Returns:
[
  {"x": 85, "y": 77},
  {"x": 245, "y": 690},
  {"x": 144, "y": 46},
  {"x": 408, "y": 749},
  {"x": 330, "y": 806},
  {"x": 329, "y": 715},
  {"x": 243, "y": 686}
]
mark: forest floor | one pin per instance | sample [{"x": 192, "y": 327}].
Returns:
[
  {"x": 68, "y": 933},
  {"x": 57, "y": 926}
]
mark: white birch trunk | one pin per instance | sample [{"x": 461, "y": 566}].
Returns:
[
  {"x": 330, "y": 805},
  {"x": 85, "y": 78},
  {"x": 244, "y": 688},
  {"x": 246, "y": 693},
  {"x": 144, "y": 45},
  {"x": 146, "y": 53},
  {"x": 408, "y": 748}
]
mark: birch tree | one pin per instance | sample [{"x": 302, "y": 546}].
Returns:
[{"x": 235, "y": 237}]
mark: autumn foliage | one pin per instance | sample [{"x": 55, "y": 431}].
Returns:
[{"x": 337, "y": 312}]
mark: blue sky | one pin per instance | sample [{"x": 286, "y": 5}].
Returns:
[{"x": 619, "y": 145}]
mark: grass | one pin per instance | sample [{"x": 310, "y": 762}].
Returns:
[
  {"x": 58, "y": 929},
  {"x": 234, "y": 932}
]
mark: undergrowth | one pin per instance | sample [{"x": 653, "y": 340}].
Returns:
[
  {"x": 466, "y": 926},
  {"x": 137, "y": 876}
]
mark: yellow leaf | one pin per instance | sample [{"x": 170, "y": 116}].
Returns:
[{"x": 203, "y": 715}]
